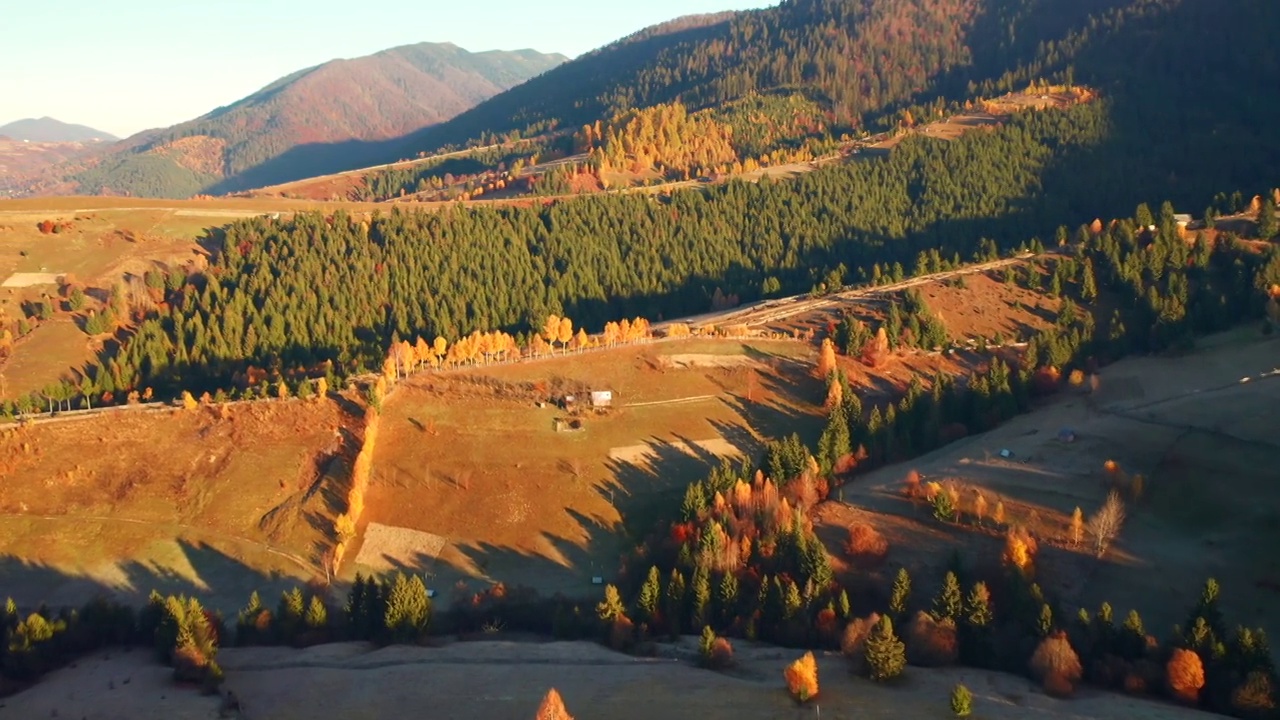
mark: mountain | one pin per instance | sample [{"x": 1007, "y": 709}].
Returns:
[
  {"x": 863, "y": 63},
  {"x": 342, "y": 112},
  {"x": 49, "y": 130}
]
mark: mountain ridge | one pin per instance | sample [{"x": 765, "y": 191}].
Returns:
[
  {"x": 336, "y": 108},
  {"x": 52, "y": 130}
]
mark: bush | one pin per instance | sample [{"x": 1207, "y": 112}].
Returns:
[
  {"x": 721, "y": 654},
  {"x": 1185, "y": 674},
  {"x": 866, "y": 545},
  {"x": 802, "y": 678},
  {"x": 853, "y": 641},
  {"x": 1056, "y": 664},
  {"x": 961, "y": 701},
  {"x": 931, "y": 643},
  {"x": 1255, "y": 698}
]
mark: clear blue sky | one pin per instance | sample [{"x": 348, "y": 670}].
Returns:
[{"x": 129, "y": 65}]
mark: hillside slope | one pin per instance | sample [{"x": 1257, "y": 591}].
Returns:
[
  {"x": 341, "y": 112},
  {"x": 50, "y": 130},
  {"x": 864, "y": 62}
]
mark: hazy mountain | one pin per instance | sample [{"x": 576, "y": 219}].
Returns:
[
  {"x": 50, "y": 130},
  {"x": 340, "y": 112}
]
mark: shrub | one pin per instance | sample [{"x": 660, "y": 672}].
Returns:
[
  {"x": 866, "y": 545},
  {"x": 1185, "y": 674},
  {"x": 853, "y": 641},
  {"x": 721, "y": 654},
  {"x": 802, "y": 678},
  {"x": 961, "y": 701},
  {"x": 886, "y": 655},
  {"x": 552, "y": 708},
  {"x": 1056, "y": 664},
  {"x": 1255, "y": 698},
  {"x": 930, "y": 642}
]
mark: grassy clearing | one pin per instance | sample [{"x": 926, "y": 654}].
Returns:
[
  {"x": 466, "y": 457},
  {"x": 221, "y": 504}
]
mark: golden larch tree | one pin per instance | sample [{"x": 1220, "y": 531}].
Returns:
[{"x": 826, "y": 359}]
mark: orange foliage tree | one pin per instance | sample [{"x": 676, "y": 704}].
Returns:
[
  {"x": 876, "y": 351},
  {"x": 1185, "y": 673},
  {"x": 552, "y": 708},
  {"x": 802, "y": 678}
]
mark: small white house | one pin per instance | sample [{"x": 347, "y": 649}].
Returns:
[{"x": 601, "y": 398}]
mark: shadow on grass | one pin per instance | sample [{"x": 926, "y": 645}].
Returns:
[{"x": 220, "y": 581}]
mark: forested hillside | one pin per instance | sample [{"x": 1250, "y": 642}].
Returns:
[
  {"x": 331, "y": 117},
  {"x": 290, "y": 296},
  {"x": 1189, "y": 79}
]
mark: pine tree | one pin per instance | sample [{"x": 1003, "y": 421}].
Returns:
[
  {"x": 650, "y": 596},
  {"x": 727, "y": 597},
  {"x": 1044, "y": 624},
  {"x": 886, "y": 655},
  {"x": 978, "y": 606},
  {"x": 901, "y": 593},
  {"x": 1267, "y": 226},
  {"x": 408, "y": 609},
  {"x": 701, "y": 596},
  {"x": 675, "y": 603},
  {"x": 611, "y": 607},
  {"x": 949, "y": 605},
  {"x": 317, "y": 616}
]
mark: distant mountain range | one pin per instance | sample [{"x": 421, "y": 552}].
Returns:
[
  {"x": 50, "y": 130},
  {"x": 329, "y": 117}
]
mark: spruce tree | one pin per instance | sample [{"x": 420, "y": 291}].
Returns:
[
  {"x": 650, "y": 596},
  {"x": 901, "y": 593},
  {"x": 701, "y": 614},
  {"x": 727, "y": 597},
  {"x": 949, "y": 604},
  {"x": 408, "y": 609},
  {"x": 886, "y": 655},
  {"x": 675, "y": 603},
  {"x": 1267, "y": 226},
  {"x": 978, "y": 606},
  {"x": 317, "y": 616}
]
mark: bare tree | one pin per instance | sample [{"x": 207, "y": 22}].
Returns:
[{"x": 1105, "y": 524}]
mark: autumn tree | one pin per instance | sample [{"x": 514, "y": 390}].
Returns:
[
  {"x": 1056, "y": 665},
  {"x": 826, "y": 359},
  {"x": 552, "y": 707},
  {"x": 1106, "y": 523},
  {"x": 876, "y": 351},
  {"x": 802, "y": 678},
  {"x": 931, "y": 642},
  {"x": 1185, "y": 675}
]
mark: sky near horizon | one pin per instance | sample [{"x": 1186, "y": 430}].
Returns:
[{"x": 131, "y": 65}]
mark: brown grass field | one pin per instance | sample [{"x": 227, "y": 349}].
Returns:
[
  {"x": 217, "y": 501},
  {"x": 472, "y": 458}
]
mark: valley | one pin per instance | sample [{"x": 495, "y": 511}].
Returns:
[{"x": 874, "y": 358}]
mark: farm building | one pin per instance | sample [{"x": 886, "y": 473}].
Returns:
[{"x": 601, "y": 398}]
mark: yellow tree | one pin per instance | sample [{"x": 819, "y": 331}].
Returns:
[
  {"x": 422, "y": 353},
  {"x": 611, "y": 332},
  {"x": 565, "y": 333},
  {"x": 551, "y": 330},
  {"x": 537, "y": 346},
  {"x": 440, "y": 347},
  {"x": 581, "y": 341},
  {"x": 826, "y": 358}
]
